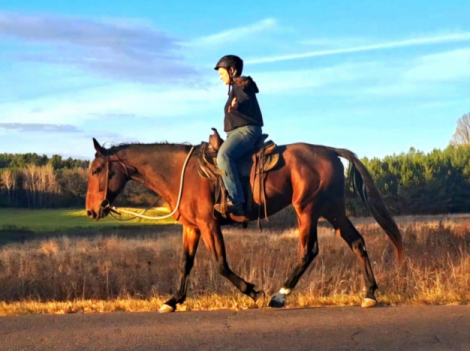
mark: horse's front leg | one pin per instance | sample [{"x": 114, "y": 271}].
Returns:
[
  {"x": 214, "y": 241},
  {"x": 190, "y": 241}
]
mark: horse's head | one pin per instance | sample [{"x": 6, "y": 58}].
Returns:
[{"x": 106, "y": 178}]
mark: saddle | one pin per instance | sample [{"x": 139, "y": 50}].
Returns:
[{"x": 255, "y": 166}]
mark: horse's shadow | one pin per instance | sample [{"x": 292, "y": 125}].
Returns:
[{"x": 14, "y": 235}]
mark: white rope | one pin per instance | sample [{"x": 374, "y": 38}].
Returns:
[{"x": 179, "y": 196}]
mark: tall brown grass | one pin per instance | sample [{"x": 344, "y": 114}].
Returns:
[{"x": 111, "y": 273}]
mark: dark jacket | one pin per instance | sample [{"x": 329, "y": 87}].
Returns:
[{"x": 248, "y": 111}]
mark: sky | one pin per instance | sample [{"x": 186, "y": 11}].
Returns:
[{"x": 374, "y": 77}]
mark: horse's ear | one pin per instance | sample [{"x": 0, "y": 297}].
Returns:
[{"x": 99, "y": 149}]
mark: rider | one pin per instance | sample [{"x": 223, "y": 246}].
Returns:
[{"x": 243, "y": 122}]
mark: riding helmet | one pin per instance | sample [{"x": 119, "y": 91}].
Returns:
[{"x": 231, "y": 61}]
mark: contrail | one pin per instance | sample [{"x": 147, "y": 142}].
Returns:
[{"x": 451, "y": 38}]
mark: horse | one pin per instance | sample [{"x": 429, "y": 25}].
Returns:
[{"x": 309, "y": 177}]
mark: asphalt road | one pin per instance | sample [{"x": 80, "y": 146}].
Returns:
[{"x": 333, "y": 328}]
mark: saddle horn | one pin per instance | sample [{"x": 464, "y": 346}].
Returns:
[{"x": 215, "y": 140}]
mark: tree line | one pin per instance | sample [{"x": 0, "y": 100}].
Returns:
[
  {"x": 411, "y": 183},
  {"x": 37, "y": 182},
  {"x": 419, "y": 183}
]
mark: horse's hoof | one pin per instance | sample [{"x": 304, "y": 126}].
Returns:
[
  {"x": 260, "y": 299},
  {"x": 368, "y": 302},
  {"x": 166, "y": 309},
  {"x": 277, "y": 301}
]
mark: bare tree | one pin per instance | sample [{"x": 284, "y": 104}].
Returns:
[
  {"x": 8, "y": 182},
  {"x": 31, "y": 183},
  {"x": 49, "y": 185},
  {"x": 462, "y": 132}
]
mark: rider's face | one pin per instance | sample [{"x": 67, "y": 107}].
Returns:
[{"x": 224, "y": 77}]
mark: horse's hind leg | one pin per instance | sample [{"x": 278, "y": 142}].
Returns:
[
  {"x": 190, "y": 242},
  {"x": 214, "y": 241},
  {"x": 308, "y": 251},
  {"x": 356, "y": 242}
]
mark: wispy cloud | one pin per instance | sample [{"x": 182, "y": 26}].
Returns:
[
  {"x": 291, "y": 81},
  {"x": 235, "y": 34},
  {"x": 40, "y": 127},
  {"x": 359, "y": 80},
  {"x": 448, "y": 66},
  {"x": 336, "y": 42},
  {"x": 442, "y": 39},
  {"x": 431, "y": 77},
  {"x": 116, "y": 49},
  {"x": 124, "y": 102}
]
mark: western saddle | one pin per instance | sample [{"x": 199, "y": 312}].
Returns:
[{"x": 263, "y": 158}]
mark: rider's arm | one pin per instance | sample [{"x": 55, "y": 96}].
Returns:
[{"x": 243, "y": 102}]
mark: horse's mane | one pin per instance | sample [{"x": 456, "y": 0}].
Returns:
[{"x": 157, "y": 145}]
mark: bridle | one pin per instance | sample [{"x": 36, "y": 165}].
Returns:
[{"x": 105, "y": 204}]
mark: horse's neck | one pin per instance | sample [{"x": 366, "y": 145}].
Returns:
[{"x": 156, "y": 169}]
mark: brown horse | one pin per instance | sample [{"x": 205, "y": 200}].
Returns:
[{"x": 310, "y": 177}]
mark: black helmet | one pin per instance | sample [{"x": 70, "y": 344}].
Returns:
[{"x": 231, "y": 61}]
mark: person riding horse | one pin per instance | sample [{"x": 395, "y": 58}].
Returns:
[{"x": 242, "y": 123}]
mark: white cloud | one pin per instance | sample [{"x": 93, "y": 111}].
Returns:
[
  {"x": 134, "y": 101},
  {"x": 427, "y": 76},
  {"x": 312, "y": 79},
  {"x": 344, "y": 42},
  {"x": 235, "y": 34},
  {"x": 450, "y": 38},
  {"x": 127, "y": 50},
  {"x": 39, "y": 127},
  {"x": 119, "y": 101},
  {"x": 443, "y": 67}
]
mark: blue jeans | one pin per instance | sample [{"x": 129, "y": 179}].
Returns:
[{"x": 238, "y": 143}]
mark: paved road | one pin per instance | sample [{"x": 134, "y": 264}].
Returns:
[{"x": 334, "y": 328}]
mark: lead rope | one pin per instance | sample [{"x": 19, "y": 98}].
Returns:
[
  {"x": 134, "y": 217},
  {"x": 179, "y": 196}
]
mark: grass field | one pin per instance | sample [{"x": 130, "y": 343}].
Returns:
[
  {"x": 63, "y": 220},
  {"x": 67, "y": 274}
]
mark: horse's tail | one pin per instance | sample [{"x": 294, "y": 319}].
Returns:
[{"x": 362, "y": 182}]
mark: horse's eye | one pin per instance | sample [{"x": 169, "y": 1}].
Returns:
[{"x": 95, "y": 172}]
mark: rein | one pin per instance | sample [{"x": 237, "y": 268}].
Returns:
[{"x": 106, "y": 205}]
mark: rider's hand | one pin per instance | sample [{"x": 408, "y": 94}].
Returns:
[{"x": 233, "y": 106}]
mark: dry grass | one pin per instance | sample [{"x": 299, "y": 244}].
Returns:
[{"x": 100, "y": 274}]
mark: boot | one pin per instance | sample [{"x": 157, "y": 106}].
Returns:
[{"x": 237, "y": 210}]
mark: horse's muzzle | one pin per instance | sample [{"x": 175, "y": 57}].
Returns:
[
  {"x": 102, "y": 212},
  {"x": 91, "y": 214}
]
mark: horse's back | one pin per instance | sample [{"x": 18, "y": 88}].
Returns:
[
  {"x": 313, "y": 166},
  {"x": 311, "y": 155}
]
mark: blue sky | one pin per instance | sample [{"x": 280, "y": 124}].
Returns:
[{"x": 373, "y": 77}]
